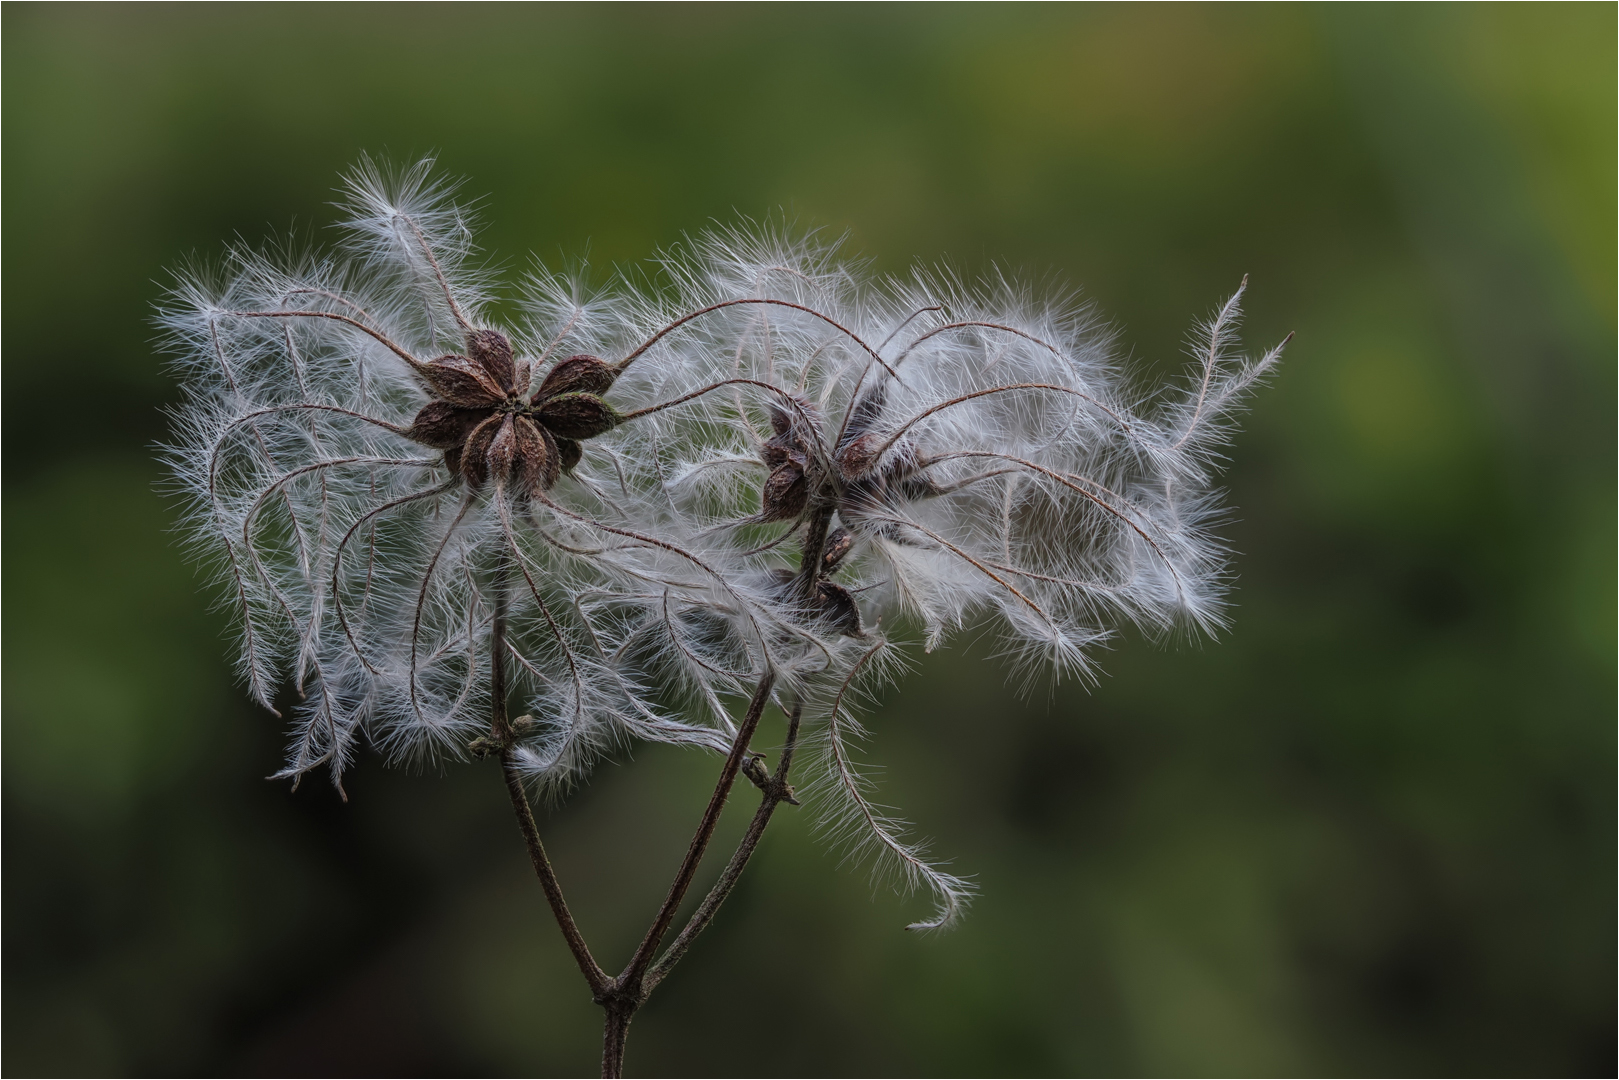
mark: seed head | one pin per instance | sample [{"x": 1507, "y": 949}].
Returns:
[
  {"x": 483, "y": 425},
  {"x": 799, "y": 457}
]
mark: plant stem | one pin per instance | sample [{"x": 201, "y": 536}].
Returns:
[
  {"x": 629, "y": 991},
  {"x": 592, "y": 971},
  {"x": 620, "y": 997},
  {"x": 631, "y": 976},
  {"x": 777, "y": 793},
  {"x": 501, "y": 734},
  {"x": 615, "y": 1031}
]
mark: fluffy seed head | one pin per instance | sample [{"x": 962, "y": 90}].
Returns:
[{"x": 766, "y": 462}]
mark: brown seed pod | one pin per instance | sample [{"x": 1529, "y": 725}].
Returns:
[
  {"x": 539, "y": 462},
  {"x": 858, "y": 456},
  {"x": 462, "y": 382},
  {"x": 837, "y": 608},
  {"x": 832, "y": 604},
  {"x": 786, "y": 493},
  {"x": 577, "y": 415},
  {"x": 777, "y": 452},
  {"x": 580, "y": 374},
  {"x": 443, "y": 426},
  {"x": 475, "y": 455},
  {"x": 503, "y": 449},
  {"x": 569, "y": 453},
  {"x": 523, "y": 456},
  {"x": 838, "y": 544},
  {"x": 493, "y": 352}
]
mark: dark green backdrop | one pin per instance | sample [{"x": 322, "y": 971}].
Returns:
[{"x": 1370, "y": 830}]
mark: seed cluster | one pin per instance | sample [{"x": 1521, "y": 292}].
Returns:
[{"x": 485, "y": 428}]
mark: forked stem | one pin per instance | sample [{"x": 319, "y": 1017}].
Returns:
[
  {"x": 621, "y": 997},
  {"x": 629, "y": 991},
  {"x": 775, "y": 793}
]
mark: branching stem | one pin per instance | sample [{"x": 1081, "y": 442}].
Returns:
[
  {"x": 776, "y": 792},
  {"x": 621, "y": 997}
]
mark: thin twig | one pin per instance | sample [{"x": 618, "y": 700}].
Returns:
[
  {"x": 773, "y": 796},
  {"x": 594, "y": 975},
  {"x": 629, "y": 991},
  {"x": 630, "y": 978},
  {"x": 500, "y": 731},
  {"x": 776, "y": 792}
]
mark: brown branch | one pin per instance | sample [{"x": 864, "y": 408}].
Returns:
[
  {"x": 500, "y": 732},
  {"x": 775, "y": 792},
  {"x": 630, "y": 979},
  {"x": 621, "y": 997},
  {"x": 594, "y": 975},
  {"x": 616, "y": 1030}
]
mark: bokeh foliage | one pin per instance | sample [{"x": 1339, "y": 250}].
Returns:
[{"x": 1370, "y": 830}]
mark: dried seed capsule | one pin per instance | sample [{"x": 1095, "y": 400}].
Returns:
[
  {"x": 462, "y": 382},
  {"x": 859, "y": 455},
  {"x": 539, "y": 461},
  {"x": 443, "y": 426},
  {"x": 577, "y": 374},
  {"x": 838, "y": 608},
  {"x": 786, "y": 493},
  {"x": 503, "y": 449},
  {"x": 777, "y": 451},
  {"x": 493, "y": 351},
  {"x": 577, "y": 415},
  {"x": 838, "y": 544},
  {"x": 475, "y": 456},
  {"x": 569, "y": 452},
  {"x": 523, "y": 456}
]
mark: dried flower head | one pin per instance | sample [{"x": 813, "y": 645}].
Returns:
[
  {"x": 359, "y": 561},
  {"x": 748, "y": 480},
  {"x": 953, "y": 453}
]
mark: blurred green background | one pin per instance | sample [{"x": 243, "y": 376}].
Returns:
[{"x": 1369, "y": 831}]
